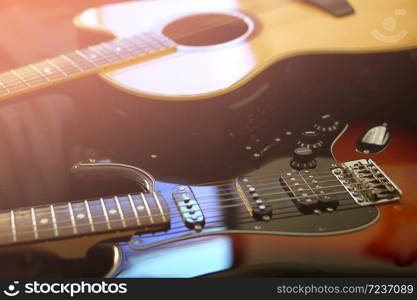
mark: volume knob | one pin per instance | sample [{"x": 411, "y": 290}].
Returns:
[
  {"x": 304, "y": 158},
  {"x": 310, "y": 139},
  {"x": 326, "y": 125}
]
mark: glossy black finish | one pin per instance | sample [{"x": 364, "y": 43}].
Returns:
[{"x": 225, "y": 212}]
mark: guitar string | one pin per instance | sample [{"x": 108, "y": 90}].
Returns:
[
  {"x": 260, "y": 186},
  {"x": 289, "y": 214},
  {"x": 155, "y": 215},
  {"x": 38, "y": 210},
  {"x": 180, "y": 222},
  {"x": 200, "y": 196}
]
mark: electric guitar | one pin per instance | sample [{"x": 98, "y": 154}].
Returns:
[
  {"x": 193, "y": 50},
  {"x": 300, "y": 211}
]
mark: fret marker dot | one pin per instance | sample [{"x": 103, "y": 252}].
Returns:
[
  {"x": 44, "y": 221},
  {"x": 140, "y": 207},
  {"x": 80, "y": 216},
  {"x": 112, "y": 211}
]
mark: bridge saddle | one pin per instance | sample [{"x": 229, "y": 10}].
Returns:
[{"x": 366, "y": 182}]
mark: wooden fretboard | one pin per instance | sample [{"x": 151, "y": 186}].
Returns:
[
  {"x": 142, "y": 212},
  {"x": 83, "y": 62}
]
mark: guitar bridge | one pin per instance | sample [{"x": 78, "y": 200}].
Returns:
[{"x": 367, "y": 183}]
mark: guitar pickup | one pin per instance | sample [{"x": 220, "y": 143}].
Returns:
[
  {"x": 188, "y": 207},
  {"x": 308, "y": 194}
]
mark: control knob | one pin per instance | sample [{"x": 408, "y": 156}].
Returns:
[
  {"x": 310, "y": 139},
  {"x": 304, "y": 158},
  {"x": 326, "y": 125}
]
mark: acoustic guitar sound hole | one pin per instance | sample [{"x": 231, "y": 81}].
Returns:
[{"x": 206, "y": 29}]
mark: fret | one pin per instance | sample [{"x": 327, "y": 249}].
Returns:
[
  {"x": 151, "y": 41},
  {"x": 129, "y": 48},
  {"x": 99, "y": 54},
  {"x": 81, "y": 54},
  {"x": 20, "y": 78},
  {"x": 35, "y": 228},
  {"x": 80, "y": 217},
  {"x": 147, "y": 208},
  {"x": 81, "y": 62},
  {"x": 161, "y": 39},
  {"x": 65, "y": 65},
  {"x": 108, "y": 53},
  {"x": 63, "y": 221},
  {"x": 97, "y": 59},
  {"x": 135, "y": 213},
  {"x": 122, "y": 217},
  {"x": 42, "y": 220},
  {"x": 71, "y": 62},
  {"x": 48, "y": 70},
  {"x": 74, "y": 227},
  {"x": 56, "y": 67},
  {"x": 4, "y": 88},
  {"x": 7, "y": 232},
  {"x": 140, "y": 208},
  {"x": 159, "y": 207},
  {"x": 30, "y": 76},
  {"x": 90, "y": 219},
  {"x": 12, "y": 82},
  {"x": 38, "y": 72},
  {"x": 140, "y": 44},
  {"x": 155, "y": 208},
  {"x": 115, "y": 218},
  {"x": 105, "y": 213},
  {"x": 115, "y": 49},
  {"x": 24, "y": 225},
  {"x": 54, "y": 224},
  {"x": 98, "y": 217}
]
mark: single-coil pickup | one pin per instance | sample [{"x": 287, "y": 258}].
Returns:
[
  {"x": 187, "y": 205},
  {"x": 310, "y": 193},
  {"x": 253, "y": 201}
]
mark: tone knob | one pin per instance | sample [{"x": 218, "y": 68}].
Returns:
[
  {"x": 310, "y": 139},
  {"x": 326, "y": 125},
  {"x": 304, "y": 158}
]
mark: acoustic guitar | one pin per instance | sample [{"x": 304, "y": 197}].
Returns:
[{"x": 321, "y": 195}]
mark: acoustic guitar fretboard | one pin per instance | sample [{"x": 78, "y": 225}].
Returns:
[{"x": 83, "y": 62}]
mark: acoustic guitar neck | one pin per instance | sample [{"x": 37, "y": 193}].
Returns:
[{"x": 90, "y": 60}]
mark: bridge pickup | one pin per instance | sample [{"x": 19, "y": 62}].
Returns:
[
  {"x": 308, "y": 193},
  {"x": 367, "y": 183},
  {"x": 188, "y": 207}
]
